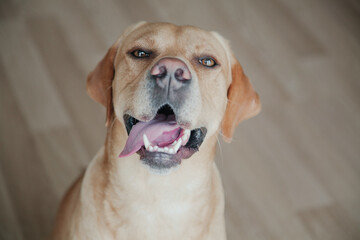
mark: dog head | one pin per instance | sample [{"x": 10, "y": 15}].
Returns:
[{"x": 171, "y": 86}]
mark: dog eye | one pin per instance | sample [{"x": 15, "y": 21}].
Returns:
[
  {"x": 207, "y": 61},
  {"x": 140, "y": 54}
]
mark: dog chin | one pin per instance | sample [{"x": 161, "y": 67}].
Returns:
[
  {"x": 164, "y": 163},
  {"x": 159, "y": 169}
]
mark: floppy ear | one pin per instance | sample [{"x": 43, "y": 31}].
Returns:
[
  {"x": 243, "y": 102},
  {"x": 99, "y": 82}
]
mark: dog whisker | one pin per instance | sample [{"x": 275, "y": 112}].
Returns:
[{"x": 220, "y": 149}]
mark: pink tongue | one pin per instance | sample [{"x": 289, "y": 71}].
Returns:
[{"x": 160, "y": 131}]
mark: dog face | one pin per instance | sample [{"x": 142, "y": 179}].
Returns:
[{"x": 171, "y": 86}]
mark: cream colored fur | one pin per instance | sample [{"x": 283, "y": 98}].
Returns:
[{"x": 120, "y": 198}]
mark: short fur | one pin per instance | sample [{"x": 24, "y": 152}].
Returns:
[{"x": 120, "y": 198}]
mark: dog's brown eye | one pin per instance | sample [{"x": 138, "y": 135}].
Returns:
[
  {"x": 208, "y": 62},
  {"x": 140, "y": 54}
]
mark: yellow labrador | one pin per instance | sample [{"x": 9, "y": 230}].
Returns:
[{"x": 168, "y": 91}]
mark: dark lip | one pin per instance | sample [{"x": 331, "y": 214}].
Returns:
[
  {"x": 129, "y": 122},
  {"x": 197, "y": 135},
  {"x": 159, "y": 160}
]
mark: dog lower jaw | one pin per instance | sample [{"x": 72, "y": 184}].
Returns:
[
  {"x": 161, "y": 172},
  {"x": 165, "y": 163}
]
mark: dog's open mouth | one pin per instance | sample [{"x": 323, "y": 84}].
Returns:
[{"x": 161, "y": 142}]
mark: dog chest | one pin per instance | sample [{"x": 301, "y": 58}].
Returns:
[{"x": 168, "y": 217}]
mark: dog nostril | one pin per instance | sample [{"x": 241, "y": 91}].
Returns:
[
  {"x": 161, "y": 72},
  {"x": 179, "y": 74}
]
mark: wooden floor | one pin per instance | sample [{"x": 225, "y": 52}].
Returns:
[{"x": 293, "y": 172}]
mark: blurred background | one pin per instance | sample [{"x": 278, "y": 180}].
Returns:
[{"x": 292, "y": 172}]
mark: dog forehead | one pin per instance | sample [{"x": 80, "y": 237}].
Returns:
[
  {"x": 152, "y": 34},
  {"x": 167, "y": 35}
]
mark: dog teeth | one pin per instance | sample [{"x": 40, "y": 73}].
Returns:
[
  {"x": 146, "y": 141},
  {"x": 186, "y": 135},
  {"x": 177, "y": 146},
  {"x": 172, "y": 149}
]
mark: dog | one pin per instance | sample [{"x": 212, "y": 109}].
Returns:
[{"x": 168, "y": 91}]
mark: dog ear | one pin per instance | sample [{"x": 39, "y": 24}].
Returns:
[
  {"x": 243, "y": 102},
  {"x": 99, "y": 81}
]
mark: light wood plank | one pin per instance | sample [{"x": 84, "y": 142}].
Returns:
[
  {"x": 69, "y": 79},
  {"x": 329, "y": 222},
  {"x": 29, "y": 79},
  {"x": 25, "y": 178},
  {"x": 10, "y": 227}
]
